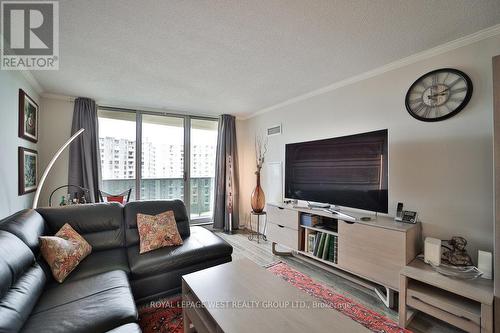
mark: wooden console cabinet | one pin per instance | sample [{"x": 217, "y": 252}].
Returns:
[
  {"x": 374, "y": 250},
  {"x": 466, "y": 304}
]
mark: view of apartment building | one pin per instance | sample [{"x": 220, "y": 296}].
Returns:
[{"x": 161, "y": 172}]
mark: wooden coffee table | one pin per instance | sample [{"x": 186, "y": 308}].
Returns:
[{"x": 242, "y": 297}]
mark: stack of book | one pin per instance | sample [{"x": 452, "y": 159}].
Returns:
[
  {"x": 309, "y": 220},
  {"x": 323, "y": 246}
]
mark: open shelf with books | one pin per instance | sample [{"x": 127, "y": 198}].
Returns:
[
  {"x": 326, "y": 262},
  {"x": 319, "y": 237}
]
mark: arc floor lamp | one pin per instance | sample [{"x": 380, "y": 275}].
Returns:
[{"x": 51, "y": 163}]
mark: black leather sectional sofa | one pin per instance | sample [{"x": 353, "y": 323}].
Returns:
[{"x": 100, "y": 295}]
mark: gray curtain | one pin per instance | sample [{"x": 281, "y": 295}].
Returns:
[
  {"x": 84, "y": 158},
  {"x": 226, "y": 176}
]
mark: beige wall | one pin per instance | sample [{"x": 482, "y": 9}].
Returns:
[
  {"x": 55, "y": 130},
  {"x": 10, "y": 201},
  {"x": 443, "y": 170}
]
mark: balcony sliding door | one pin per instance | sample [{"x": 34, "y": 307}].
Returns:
[{"x": 160, "y": 157}]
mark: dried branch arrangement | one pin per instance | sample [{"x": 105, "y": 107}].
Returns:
[{"x": 260, "y": 151}]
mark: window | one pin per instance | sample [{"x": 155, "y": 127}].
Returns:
[
  {"x": 176, "y": 158},
  {"x": 162, "y": 157},
  {"x": 116, "y": 133},
  {"x": 202, "y": 164}
]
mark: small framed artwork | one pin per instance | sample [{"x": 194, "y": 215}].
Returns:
[
  {"x": 28, "y": 170},
  {"x": 28, "y": 117}
]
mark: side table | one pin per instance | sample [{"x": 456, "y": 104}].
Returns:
[
  {"x": 467, "y": 304},
  {"x": 257, "y": 234}
]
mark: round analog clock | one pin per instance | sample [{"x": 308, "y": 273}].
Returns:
[{"x": 439, "y": 95}]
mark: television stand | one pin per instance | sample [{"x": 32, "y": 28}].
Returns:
[{"x": 370, "y": 253}]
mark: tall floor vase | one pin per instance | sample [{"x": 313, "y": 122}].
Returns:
[{"x": 258, "y": 200}]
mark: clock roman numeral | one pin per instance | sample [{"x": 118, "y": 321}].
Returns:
[
  {"x": 458, "y": 90},
  {"x": 456, "y": 99},
  {"x": 427, "y": 112},
  {"x": 437, "y": 111},
  {"x": 435, "y": 79},
  {"x": 446, "y": 77},
  {"x": 454, "y": 82},
  {"x": 419, "y": 108},
  {"x": 426, "y": 85}
]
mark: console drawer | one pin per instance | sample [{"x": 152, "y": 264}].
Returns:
[
  {"x": 283, "y": 236},
  {"x": 461, "y": 322},
  {"x": 452, "y": 304},
  {"x": 374, "y": 253},
  {"x": 286, "y": 217}
]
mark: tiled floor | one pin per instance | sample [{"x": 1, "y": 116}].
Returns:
[{"x": 262, "y": 255}]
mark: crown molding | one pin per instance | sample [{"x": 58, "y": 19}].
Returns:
[
  {"x": 59, "y": 97},
  {"x": 429, "y": 53},
  {"x": 129, "y": 107},
  {"x": 32, "y": 81}
]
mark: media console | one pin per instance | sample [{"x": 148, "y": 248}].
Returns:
[{"x": 373, "y": 251}]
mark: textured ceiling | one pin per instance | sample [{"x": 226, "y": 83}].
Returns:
[{"x": 237, "y": 57}]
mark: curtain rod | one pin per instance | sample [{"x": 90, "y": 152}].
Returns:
[{"x": 163, "y": 113}]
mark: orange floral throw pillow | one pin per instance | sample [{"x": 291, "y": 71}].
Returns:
[
  {"x": 156, "y": 231},
  {"x": 64, "y": 251}
]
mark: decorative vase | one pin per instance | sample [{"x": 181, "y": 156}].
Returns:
[{"x": 258, "y": 198}]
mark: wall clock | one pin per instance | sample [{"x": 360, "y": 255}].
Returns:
[{"x": 439, "y": 94}]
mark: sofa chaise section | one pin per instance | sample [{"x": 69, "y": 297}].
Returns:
[
  {"x": 98, "y": 303},
  {"x": 31, "y": 301},
  {"x": 158, "y": 273}
]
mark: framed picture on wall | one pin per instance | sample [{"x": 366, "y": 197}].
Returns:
[
  {"x": 28, "y": 170},
  {"x": 28, "y": 117}
]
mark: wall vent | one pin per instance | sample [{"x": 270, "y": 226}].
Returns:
[{"x": 274, "y": 130}]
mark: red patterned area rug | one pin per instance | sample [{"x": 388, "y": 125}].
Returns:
[
  {"x": 165, "y": 316},
  {"x": 370, "y": 319},
  {"x": 162, "y": 316}
]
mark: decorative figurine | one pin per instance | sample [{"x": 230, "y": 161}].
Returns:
[{"x": 455, "y": 253}]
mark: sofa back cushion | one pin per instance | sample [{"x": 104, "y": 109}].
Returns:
[
  {"x": 100, "y": 224},
  {"x": 21, "y": 282},
  {"x": 27, "y": 225},
  {"x": 154, "y": 208}
]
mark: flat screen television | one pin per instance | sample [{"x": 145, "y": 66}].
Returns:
[{"x": 349, "y": 171}]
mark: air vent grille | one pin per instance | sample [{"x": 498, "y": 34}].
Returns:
[{"x": 274, "y": 130}]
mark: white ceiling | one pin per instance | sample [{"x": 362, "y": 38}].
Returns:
[{"x": 238, "y": 57}]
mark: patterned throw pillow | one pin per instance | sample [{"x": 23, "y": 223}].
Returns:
[
  {"x": 64, "y": 251},
  {"x": 156, "y": 231}
]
